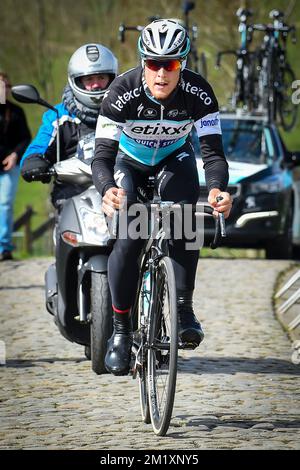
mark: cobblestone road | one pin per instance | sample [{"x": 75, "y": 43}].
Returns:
[{"x": 239, "y": 390}]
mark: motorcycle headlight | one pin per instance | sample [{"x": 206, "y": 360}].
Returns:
[{"x": 95, "y": 227}]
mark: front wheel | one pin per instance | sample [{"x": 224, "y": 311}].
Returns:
[
  {"x": 163, "y": 348},
  {"x": 101, "y": 320}
]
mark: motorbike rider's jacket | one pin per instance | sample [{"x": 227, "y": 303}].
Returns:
[
  {"x": 75, "y": 122},
  {"x": 76, "y": 129},
  {"x": 148, "y": 130},
  {"x": 44, "y": 142}
]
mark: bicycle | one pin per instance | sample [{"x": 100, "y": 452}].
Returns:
[
  {"x": 195, "y": 62},
  {"x": 154, "y": 317},
  {"x": 276, "y": 75},
  {"x": 246, "y": 71}
]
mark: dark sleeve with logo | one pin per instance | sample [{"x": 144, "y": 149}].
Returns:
[
  {"x": 108, "y": 132},
  {"x": 207, "y": 123}
]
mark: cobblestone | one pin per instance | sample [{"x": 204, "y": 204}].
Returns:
[{"x": 239, "y": 390}]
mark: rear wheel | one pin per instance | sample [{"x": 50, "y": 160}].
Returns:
[
  {"x": 163, "y": 348},
  {"x": 287, "y": 109},
  {"x": 101, "y": 320}
]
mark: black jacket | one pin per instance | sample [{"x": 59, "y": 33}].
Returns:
[{"x": 14, "y": 131}]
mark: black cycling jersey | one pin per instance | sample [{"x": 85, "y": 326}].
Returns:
[
  {"x": 148, "y": 131},
  {"x": 152, "y": 138}
]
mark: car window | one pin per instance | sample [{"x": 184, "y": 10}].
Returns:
[{"x": 244, "y": 141}]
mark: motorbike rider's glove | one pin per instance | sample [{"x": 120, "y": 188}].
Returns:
[{"x": 34, "y": 168}]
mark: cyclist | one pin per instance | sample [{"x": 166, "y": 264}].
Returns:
[
  {"x": 143, "y": 130},
  {"x": 91, "y": 69}
]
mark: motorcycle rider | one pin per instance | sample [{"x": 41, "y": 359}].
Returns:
[
  {"x": 143, "y": 130},
  {"x": 91, "y": 70}
]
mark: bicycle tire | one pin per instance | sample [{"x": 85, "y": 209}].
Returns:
[
  {"x": 163, "y": 348},
  {"x": 287, "y": 110},
  {"x": 271, "y": 92},
  {"x": 142, "y": 375},
  {"x": 101, "y": 323}
]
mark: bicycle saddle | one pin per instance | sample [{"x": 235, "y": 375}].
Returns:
[{"x": 276, "y": 14}]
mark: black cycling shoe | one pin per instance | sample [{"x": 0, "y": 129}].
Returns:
[
  {"x": 189, "y": 328},
  {"x": 6, "y": 256},
  {"x": 118, "y": 356}
]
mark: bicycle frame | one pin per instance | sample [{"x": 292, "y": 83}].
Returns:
[{"x": 245, "y": 72}]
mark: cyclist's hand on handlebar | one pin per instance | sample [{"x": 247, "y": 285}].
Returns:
[
  {"x": 224, "y": 205},
  {"x": 113, "y": 199}
]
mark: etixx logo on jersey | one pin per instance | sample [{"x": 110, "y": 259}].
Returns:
[{"x": 150, "y": 112}]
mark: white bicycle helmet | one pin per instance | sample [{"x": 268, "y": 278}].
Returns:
[
  {"x": 88, "y": 60},
  {"x": 164, "y": 39}
]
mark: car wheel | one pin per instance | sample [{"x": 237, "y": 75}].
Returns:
[
  {"x": 281, "y": 247},
  {"x": 296, "y": 252}
]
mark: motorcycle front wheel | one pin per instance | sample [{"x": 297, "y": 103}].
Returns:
[{"x": 101, "y": 320}]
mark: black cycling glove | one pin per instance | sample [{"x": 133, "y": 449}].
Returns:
[{"x": 34, "y": 168}]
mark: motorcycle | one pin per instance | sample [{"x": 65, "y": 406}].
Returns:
[{"x": 76, "y": 286}]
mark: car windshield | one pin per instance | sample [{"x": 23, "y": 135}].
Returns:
[{"x": 243, "y": 140}]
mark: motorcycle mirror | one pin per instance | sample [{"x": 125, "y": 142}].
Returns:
[
  {"x": 29, "y": 94},
  {"x": 25, "y": 93}
]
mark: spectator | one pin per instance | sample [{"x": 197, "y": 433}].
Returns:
[{"x": 14, "y": 138}]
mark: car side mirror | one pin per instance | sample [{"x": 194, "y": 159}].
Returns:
[
  {"x": 295, "y": 158},
  {"x": 292, "y": 160}
]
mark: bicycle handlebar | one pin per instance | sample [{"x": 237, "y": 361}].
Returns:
[
  {"x": 123, "y": 29},
  {"x": 220, "y": 229},
  {"x": 272, "y": 28}
]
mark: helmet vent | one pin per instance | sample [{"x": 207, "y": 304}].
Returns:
[
  {"x": 162, "y": 38},
  {"x": 92, "y": 53}
]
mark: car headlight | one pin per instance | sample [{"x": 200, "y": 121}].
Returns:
[
  {"x": 266, "y": 186},
  {"x": 95, "y": 226}
]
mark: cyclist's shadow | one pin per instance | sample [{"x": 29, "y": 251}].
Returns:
[{"x": 232, "y": 365}]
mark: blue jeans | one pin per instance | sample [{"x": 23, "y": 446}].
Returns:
[{"x": 8, "y": 187}]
